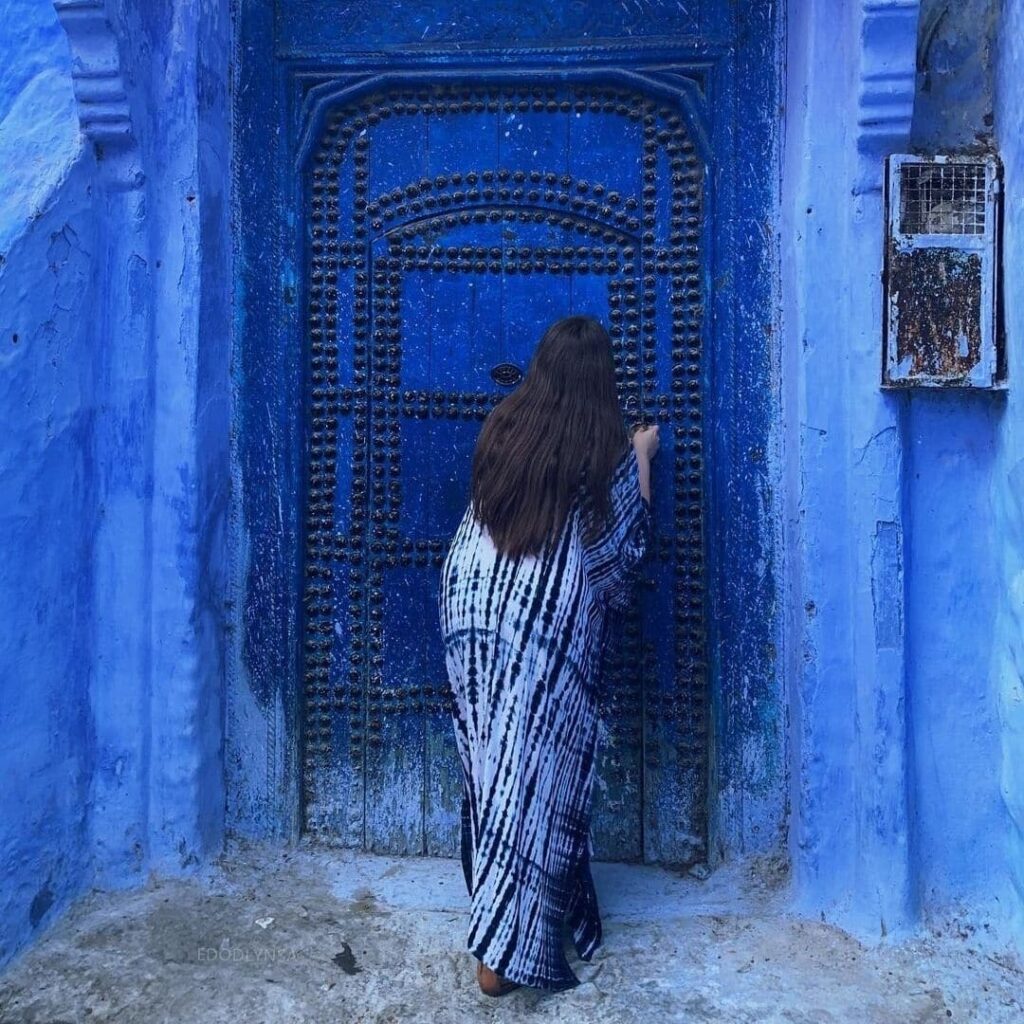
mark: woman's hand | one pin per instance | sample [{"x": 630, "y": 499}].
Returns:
[
  {"x": 645, "y": 441},
  {"x": 645, "y": 444}
]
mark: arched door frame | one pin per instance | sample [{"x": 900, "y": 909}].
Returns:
[{"x": 710, "y": 83}]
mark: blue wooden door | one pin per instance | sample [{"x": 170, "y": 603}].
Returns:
[{"x": 446, "y": 224}]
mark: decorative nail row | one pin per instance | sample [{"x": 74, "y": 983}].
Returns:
[{"x": 376, "y": 359}]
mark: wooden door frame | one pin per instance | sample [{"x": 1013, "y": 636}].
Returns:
[{"x": 746, "y": 808}]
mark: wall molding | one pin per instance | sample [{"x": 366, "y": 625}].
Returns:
[
  {"x": 887, "y": 80},
  {"x": 104, "y": 112}
]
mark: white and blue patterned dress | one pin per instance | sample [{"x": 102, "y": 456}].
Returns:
[{"x": 523, "y": 647}]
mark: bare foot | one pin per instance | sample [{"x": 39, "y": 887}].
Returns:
[{"x": 492, "y": 984}]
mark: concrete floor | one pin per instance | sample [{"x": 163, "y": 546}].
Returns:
[{"x": 276, "y": 936}]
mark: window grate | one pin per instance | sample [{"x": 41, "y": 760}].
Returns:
[{"x": 942, "y": 199}]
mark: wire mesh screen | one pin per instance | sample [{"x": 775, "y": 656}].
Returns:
[{"x": 942, "y": 199}]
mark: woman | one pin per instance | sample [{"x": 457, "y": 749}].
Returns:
[{"x": 558, "y": 521}]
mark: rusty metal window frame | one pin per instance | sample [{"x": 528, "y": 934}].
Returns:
[{"x": 945, "y": 202}]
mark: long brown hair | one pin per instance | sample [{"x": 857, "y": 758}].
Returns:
[{"x": 560, "y": 430}]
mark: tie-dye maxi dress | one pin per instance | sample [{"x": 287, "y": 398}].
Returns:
[{"x": 523, "y": 647}]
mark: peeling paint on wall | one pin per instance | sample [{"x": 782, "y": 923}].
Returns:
[{"x": 887, "y": 584}]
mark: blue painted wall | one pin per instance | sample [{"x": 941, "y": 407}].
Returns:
[
  {"x": 114, "y": 285},
  {"x": 1004, "y": 660},
  {"x": 840, "y": 467},
  {"x": 904, "y": 518},
  {"x": 963, "y": 500},
  {"x": 175, "y": 68},
  {"x": 956, "y": 55},
  {"x": 48, "y": 507}
]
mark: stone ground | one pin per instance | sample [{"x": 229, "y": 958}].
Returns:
[{"x": 308, "y": 934}]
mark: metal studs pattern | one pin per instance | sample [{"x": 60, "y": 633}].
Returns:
[{"x": 616, "y": 237}]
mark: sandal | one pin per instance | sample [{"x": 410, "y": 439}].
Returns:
[{"x": 505, "y": 985}]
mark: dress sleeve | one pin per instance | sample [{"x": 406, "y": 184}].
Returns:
[{"x": 613, "y": 557}]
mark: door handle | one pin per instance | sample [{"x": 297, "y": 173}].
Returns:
[{"x": 506, "y": 374}]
